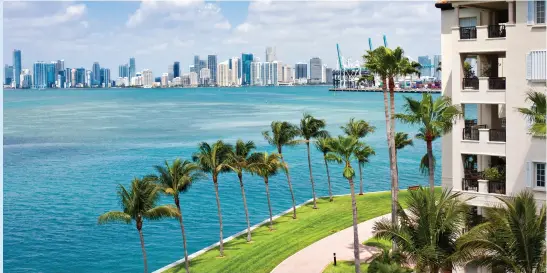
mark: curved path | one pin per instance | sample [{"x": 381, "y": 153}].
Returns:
[{"x": 315, "y": 257}]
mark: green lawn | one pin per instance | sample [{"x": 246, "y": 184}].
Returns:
[
  {"x": 269, "y": 248},
  {"x": 345, "y": 267}
]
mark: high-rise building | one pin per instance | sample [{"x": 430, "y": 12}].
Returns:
[
  {"x": 88, "y": 78},
  {"x": 80, "y": 77},
  {"x": 287, "y": 74},
  {"x": 148, "y": 78},
  {"x": 246, "y": 60},
  {"x": 234, "y": 67},
  {"x": 196, "y": 64},
  {"x": 17, "y": 67},
  {"x": 39, "y": 72},
  {"x": 59, "y": 66},
  {"x": 301, "y": 71},
  {"x": 176, "y": 69},
  {"x": 270, "y": 75},
  {"x": 171, "y": 72},
  {"x": 256, "y": 77},
  {"x": 123, "y": 71},
  {"x": 205, "y": 76},
  {"x": 96, "y": 74},
  {"x": 193, "y": 79},
  {"x": 51, "y": 77},
  {"x": 425, "y": 62},
  {"x": 68, "y": 78},
  {"x": 316, "y": 70},
  {"x": 223, "y": 77},
  {"x": 212, "y": 65},
  {"x": 491, "y": 137},
  {"x": 26, "y": 79},
  {"x": 132, "y": 67},
  {"x": 270, "y": 54},
  {"x": 328, "y": 75},
  {"x": 165, "y": 79},
  {"x": 8, "y": 74},
  {"x": 436, "y": 66}
]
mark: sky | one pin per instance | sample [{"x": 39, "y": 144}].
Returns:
[{"x": 157, "y": 33}]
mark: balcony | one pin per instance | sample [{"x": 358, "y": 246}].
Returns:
[
  {"x": 486, "y": 38},
  {"x": 470, "y": 184},
  {"x": 470, "y": 83},
  {"x": 468, "y": 33},
  {"x": 497, "y": 135},
  {"x": 495, "y": 83},
  {"x": 483, "y": 141},
  {"x": 497, "y": 187},
  {"x": 483, "y": 90},
  {"x": 496, "y": 31}
]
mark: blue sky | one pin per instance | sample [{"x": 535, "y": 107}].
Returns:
[{"x": 159, "y": 33}]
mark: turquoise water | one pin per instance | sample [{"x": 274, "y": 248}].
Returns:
[{"x": 66, "y": 150}]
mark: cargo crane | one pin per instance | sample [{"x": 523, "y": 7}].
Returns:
[{"x": 349, "y": 71}]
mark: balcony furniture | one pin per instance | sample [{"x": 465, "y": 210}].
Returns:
[
  {"x": 469, "y": 184},
  {"x": 467, "y": 33},
  {"x": 497, "y": 135},
  {"x": 496, "y": 83},
  {"x": 470, "y": 83},
  {"x": 496, "y": 31}
]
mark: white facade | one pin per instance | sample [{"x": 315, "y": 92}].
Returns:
[
  {"x": 316, "y": 70},
  {"x": 287, "y": 74},
  {"x": 205, "y": 76},
  {"x": 234, "y": 71},
  {"x": 165, "y": 79},
  {"x": 147, "y": 78},
  {"x": 256, "y": 73},
  {"x": 193, "y": 79},
  {"x": 223, "y": 74},
  {"x": 270, "y": 54},
  {"x": 474, "y": 30}
]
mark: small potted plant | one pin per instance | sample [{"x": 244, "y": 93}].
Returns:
[{"x": 493, "y": 174}]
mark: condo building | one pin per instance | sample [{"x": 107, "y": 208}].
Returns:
[{"x": 493, "y": 53}]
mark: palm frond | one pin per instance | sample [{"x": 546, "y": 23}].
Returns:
[
  {"x": 115, "y": 216},
  {"x": 160, "y": 212}
]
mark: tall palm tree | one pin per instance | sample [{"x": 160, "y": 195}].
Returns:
[
  {"x": 401, "y": 141},
  {"x": 512, "y": 238},
  {"x": 424, "y": 162},
  {"x": 214, "y": 159},
  {"x": 311, "y": 127},
  {"x": 175, "y": 179},
  {"x": 362, "y": 154},
  {"x": 139, "y": 203},
  {"x": 536, "y": 113},
  {"x": 322, "y": 145},
  {"x": 266, "y": 165},
  {"x": 283, "y": 134},
  {"x": 436, "y": 118},
  {"x": 357, "y": 128},
  {"x": 343, "y": 148},
  {"x": 239, "y": 160},
  {"x": 427, "y": 231}
]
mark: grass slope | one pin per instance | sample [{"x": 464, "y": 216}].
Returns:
[{"x": 269, "y": 248}]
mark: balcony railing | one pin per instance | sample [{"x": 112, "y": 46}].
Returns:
[
  {"x": 469, "y": 184},
  {"x": 496, "y": 187},
  {"x": 470, "y": 134},
  {"x": 470, "y": 83},
  {"x": 496, "y": 31},
  {"x": 467, "y": 33},
  {"x": 497, "y": 135},
  {"x": 496, "y": 83}
]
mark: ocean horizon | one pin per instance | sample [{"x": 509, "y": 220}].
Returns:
[{"x": 66, "y": 151}]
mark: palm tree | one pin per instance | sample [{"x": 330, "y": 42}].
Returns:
[
  {"x": 322, "y": 145},
  {"x": 139, "y": 203},
  {"x": 386, "y": 261},
  {"x": 536, "y": 113},
  {"x": 427, "y": 231},
  {"x": 512, "y": 239},
  {"x": 239, "y": 160},
  {"x": 343, "y": 148},
  {"x": 173, "y": 180},
  {"x": 266, "y": 165},
  {"x": 424, "y": 162},
  {"x": 437, "y": 118},
  {"x": 401, "y": 141},
  {"x": 311, "y": 127},
  {"x": 283, "y": 134},
  {"x": 213, "y": 159},
  {"x": 362, "y": 154},
  {"x": 357, "y": 128}
]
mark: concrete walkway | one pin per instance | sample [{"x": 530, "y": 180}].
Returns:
[{"x": 315, "y": 257}]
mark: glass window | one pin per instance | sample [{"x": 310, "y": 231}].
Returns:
[
  {"x": 468, "y": 22},
  {"x": 540, "y": 12},
  {"x": 540, "y": 174}
]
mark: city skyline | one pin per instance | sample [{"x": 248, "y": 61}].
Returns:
[{"x": 239, "y": 26}]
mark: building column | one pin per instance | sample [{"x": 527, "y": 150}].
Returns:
[
  {"x": 457, "y": 16},
  {"x": 511, "y": 15}
]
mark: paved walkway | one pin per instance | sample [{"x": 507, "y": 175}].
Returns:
[{"x": 315, "y": 257}]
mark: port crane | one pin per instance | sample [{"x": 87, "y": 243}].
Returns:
[{"x": 349, "y": 71}]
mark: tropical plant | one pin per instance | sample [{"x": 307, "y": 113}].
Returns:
[
  {"x": 493, "y": 174},
  {"x": 283, "y": 134},
  {"x": 512, "y": 239},
  {"x": 214, "y": 159},
  {"x": 468, "y": 71},
  {"x": 439, "y": 68},
  {"x": 322, "y": 145},
  {"x": 175, "y": 179},
  {"x": 357, "y": 128},
  {"x": 311, "y": 127},
  {"x": 363, "y": 154},
  {"x": 386, "y": 261},
  {"x": 536, "y": 113},
  {"x": 343, "y": 149},
  {"x": 401, "y": 141},
  {"x": 436, "y": 118},
  {"x": 238, "y": 161},
  {"x": 428, "y": 229},
  {"x": 266, "y": 165},
  {"x": 139, "y": 203}
]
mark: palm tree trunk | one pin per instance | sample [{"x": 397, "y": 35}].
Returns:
[
  {"x": 328, "y": 179},
  {"x": 269, "y": 203},
  {"x": 181, "y": 222},
  {"x": 290, "y": 185},
  {"x": 395, "y": 175},
  {"x": 361, "y": 180},
  {"x": 431, "y": 170},
  {"x": 240, "y": 176},
  {"x": 388, "y": 135},
  {"x": 311, "y": 177},
  {"x": 355, "y": 230},
  {"x": 221, "y": 245},
  {"x": 139, "y": 228}
]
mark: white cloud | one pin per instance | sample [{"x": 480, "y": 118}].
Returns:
[{"x": 223, "y": 25}]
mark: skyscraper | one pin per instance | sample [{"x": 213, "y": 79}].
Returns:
[
  {"x": 132, "y": 68},
  {"x": 80, "y": 77},
  {"x": 107, "y": 80},
  {"x": 196, "y": 64},
  {"x": 17, "y": 67},
  {"x": 27, "y": 78},
  {"x": 436, "y": 66},
  {"x": 39, "y": 75},
  {"x": 51, "y": 77},
  {"x": 176, "y": 69},
  {"x": 301, "y": 71},
  {"x": 212, "y": 65},
  {"x": 59, "y": 66},
  {"x": 68, "y": 78},
  {"x": 170, "y": 72},
  {"x": 96, "y": 76},
  {"x": 148, "y": 78},
  {"x": 270, "y": 54},
  {"x": 328, "y": 75},
  {"x": 123, "y": 71},
  {"x": 223, "y": 76},
  {"x": 316, "y": 70},
  {"x": 8, "y": 74},
  {"x": 425, "y": 62},
  {"x": 246, "y": 60},
  {"x": 256, "y": 71}
]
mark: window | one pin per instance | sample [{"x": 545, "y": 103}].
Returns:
[
  {"x": 540, "y": 12},
  {"x": 540, "y": 175}
]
